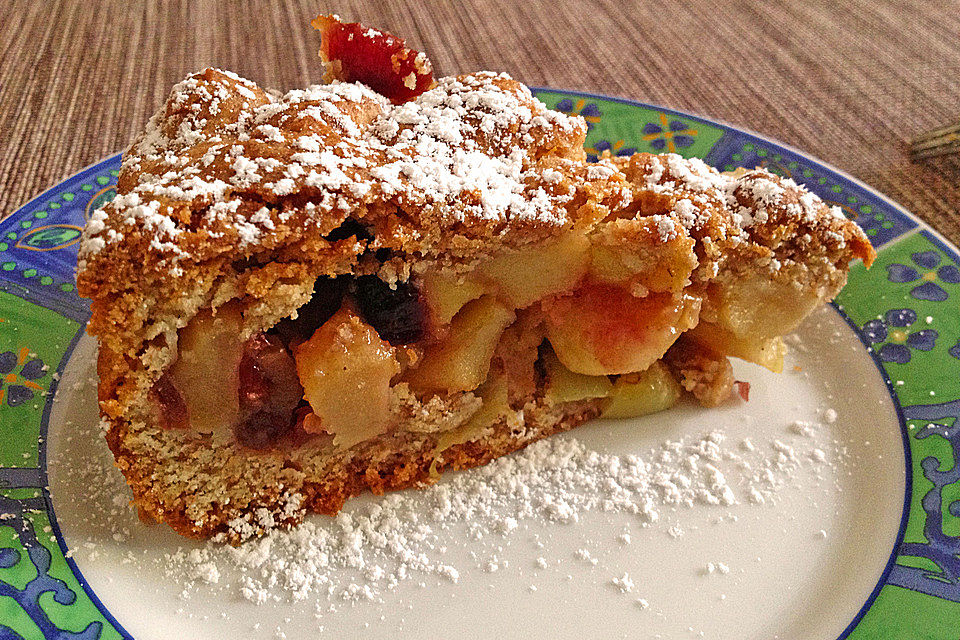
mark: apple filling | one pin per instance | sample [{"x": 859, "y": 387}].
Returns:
[{"x": 338, "y": 372}]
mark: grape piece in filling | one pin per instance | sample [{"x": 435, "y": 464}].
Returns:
[{"x": 397, "y": 312}]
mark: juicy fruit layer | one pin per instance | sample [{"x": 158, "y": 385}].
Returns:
[
  {"x": 270, "y": 392},
  {"x": 209, "y": 345},
  {"x": 461, "y": 360},
  {"x": 563, "y": 320}
]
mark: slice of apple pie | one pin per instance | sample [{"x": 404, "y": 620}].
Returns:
[{"x": 364, "y": 283}]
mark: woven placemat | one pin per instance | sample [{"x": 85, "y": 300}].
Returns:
[{"x": 849, "y": 82}]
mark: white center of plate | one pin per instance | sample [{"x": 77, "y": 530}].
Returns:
[{"x": 816, "y": 507}]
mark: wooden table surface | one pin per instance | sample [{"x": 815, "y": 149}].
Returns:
[{"x": 849, "y": 82}]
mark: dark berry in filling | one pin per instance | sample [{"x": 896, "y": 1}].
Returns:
[
  {"x": 269, "y": 392},
  {"x": 262, "y": 429},
  {"x": 327, "y": 297},
  {"x": 350, "y": 227},
  {"x": 173, "y": 409},
  {"x": 397, "y": 314}
]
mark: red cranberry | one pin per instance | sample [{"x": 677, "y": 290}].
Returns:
[
  {"x": 379, "y": 60},
  {"x": 269, "y": 392}
]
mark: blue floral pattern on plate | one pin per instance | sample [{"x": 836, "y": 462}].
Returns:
[
  {"x": 892, "y": 338},
  {"x": 930, "y": 270}
]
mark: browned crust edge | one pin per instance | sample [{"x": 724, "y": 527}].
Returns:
[{"x": 415, "y": 465}]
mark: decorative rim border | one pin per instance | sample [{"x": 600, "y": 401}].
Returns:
[
  {"x": 91, "y": 169},
  {"x": 907, "y": 485},
  {"x": 733, "y": 132},
  {"x": 48, "y": 500}
]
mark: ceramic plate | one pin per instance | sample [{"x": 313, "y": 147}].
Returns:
[{"x": 828, "y": 506}]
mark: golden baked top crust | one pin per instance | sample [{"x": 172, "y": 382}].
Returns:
[
  {"x": 226, "y": 167},
  {"x": 225, "y": 172},
  {"x": 745, "y": 212}
]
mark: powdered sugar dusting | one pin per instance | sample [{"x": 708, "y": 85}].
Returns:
[
  {"x": 469, "y": 151},
  {"x": 367, "y": 551},
  {"x": 748, "y": 197},
  {"x": 466, "y": 148}
]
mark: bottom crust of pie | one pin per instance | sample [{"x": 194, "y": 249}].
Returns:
[{"x": 202, "y": 491}]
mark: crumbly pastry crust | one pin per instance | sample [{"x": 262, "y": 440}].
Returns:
[{"x": 232, "y": 193}]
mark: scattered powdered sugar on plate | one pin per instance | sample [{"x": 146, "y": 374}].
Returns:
[{"x": 371, "y": 548}]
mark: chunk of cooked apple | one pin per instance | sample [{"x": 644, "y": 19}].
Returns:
[
  {"x": 602, "y": 329},
  {"x": 495, "y": 405},
  {"x": 563, "y": 385},
  {"x": 461, "y": 360},
  {"x": 766, "y": 352},
  {"x": 637, "y": 394},
  {"x": 636, "y": 255},
  {"x": 534, "y": 272},
  {"x": 518, "y": 278},
  {"x": 206, "y": 372},
  {"x": 445, "y": 295},
  {"x": 345, "y": 358},
  {"x": 607, "y": 265},
  {"x": 756, "y": 307}
]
